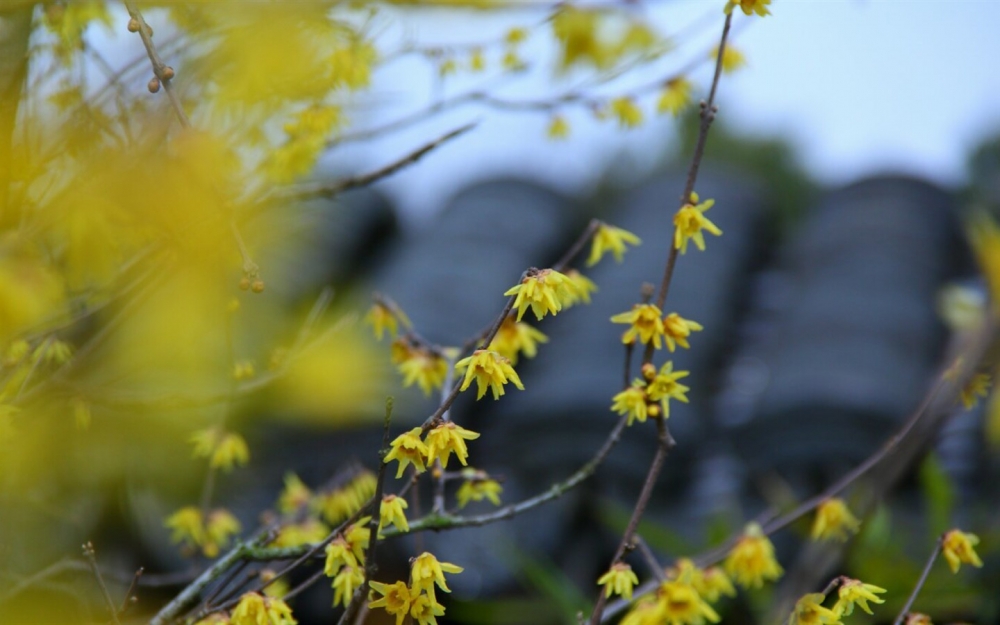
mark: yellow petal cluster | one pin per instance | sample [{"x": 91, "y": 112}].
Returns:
[
  {"x": 675, "y": 97},
  {"x": 391, "y": 513},
  {"x": 809, "y": 610},
  {"x": 419, "y": 365},
  {"x": 690, "y": 221},
  {"x": 854, "y": 592},
  {"x": 490, "y": 370},
  {"x": 958, "y": 547},
  {"x": 476, "y": 487},
  {"x": 834, "y": 521},
  {"x": 515, "y": 338},
  {"x": 751, "y": 561},
  {"x": 446, "y": 439},
  {"x": 610, "y": 239},
  {"x": 619, "y": 580},
  {"x": 224, "y": 449},
  {"x": 978, "y": 386},
  {"x": 255, "y": 609},
  {"x": 646, "y": 324},
  {"x": 749, "y": 7},
  {"x": 677, "y": 329},
  {"x": 545, "y": 291}
]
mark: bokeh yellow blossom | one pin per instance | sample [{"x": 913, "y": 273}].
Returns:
[
  {"x": 477, "y": 485},
  {"x": 809, "y": 610},
  {"x": 749, "y": 7},
  {"x": 515, "y": 338},
  {"x": 751, "y": 561},
  {"x": 608, "y": 238},
  {"x": 959, "y": 547},
  {"x": 834, "y": 521},
  {"x": 675, "y": 97}
]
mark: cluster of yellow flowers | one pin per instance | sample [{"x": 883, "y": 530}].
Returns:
[
  {"x": 210, "y": 533},
  {"x": 685, "y": 597},
  {"x": 223, "y": 449},
  {"x": 323, "y": 510},
  {"x": 416, "y": 600},
  {"x": 650, "y": 395},
  {"x": 254, "y": 609},
  {"x": 809, "y": 608},
  {"x": 345, "y": 560}
]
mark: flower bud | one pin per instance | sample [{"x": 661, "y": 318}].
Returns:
[
  {"x": 244, "y": 283},
  {"x": 133, "y": 25},
  {"x": 257, "y": 286},
  {"x": 168, "y": 72},
  {"x": 154, "y": 85}
]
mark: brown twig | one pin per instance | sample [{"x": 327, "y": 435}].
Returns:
[
  {"x": 131, "y": 589},
  {"x": 664, "y": 443},
  {"x": 647, "y": 554},
  {"x": 159, "y": 67},
  {"x": 920, "y": 583},
  {"x": 577, "y": 246},
  {"x": 373, "y": 524},
  {"x": 91, "y": 555}
]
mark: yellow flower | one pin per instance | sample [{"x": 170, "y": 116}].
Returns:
[
  {"x": 715, "y": 582},
  {"x": 853, "y": 592},
  {"x": 476, "y": 61},
  {"x": 407, "y": 448},
  {"x": 558, "y": 128},
  {"x": 277, "y": 589},
  {"x": 646, "y": 611},
  {"x": 338, "y": 555},
  {"x": 225, "y": 449},
  {"x": 664, "y": 387},
  {"x": 610, "y": 239},
  {"x": 391, "y": 513},
  {"x": 834, "y": 521},
  {"x": 341, "y": 503},
  {"x": 680, "y": 604},
  {"x": 977, "y": 387},
  {"x": 512, "y": 62},
  {"x": 422, "y": 367},
  {"x": 751, "y": 560},
  {"x": 543, "y": 290},
  {"x": 358, "y": 536},
  {"x": 426, "y": 571},
  {"x": 619, "y": 580},
  {"x": 396, "y": 599},
  {"x": 632, "y": 402},
  {"x": 732, "y": 59},
  {"x": 959, "y": 547},
  {"x": 675, "y": 96},
  {"x": 476, "y": 487},
  {"x": 447, "y": 67},
  {"x": 345, "y": 583},
  {"x": 294, "y": 496},
  {"x": 647, "y": 324},
  {"x": 215, "y": 619},
  {"x": 581, "y": 288},
  {"x": 689, "y": 223},
  {"x": 516, "y": 35},
  {"x": 255, "y": 609},
  {"x": 447, "y": 438},
  {"x": 295, "y": 534},
  {"x": 514, "y": 338},
  {"x": 809, "y": 610},
  {"x": 221, "y": 526},
  {"x": 676, "y": 330},
  {"x": 243, "y": 370},
  {"x": 749, "y": 7},
  {"x": 425, "y": 610},
  {"x": 490, "y": 370},
  {"x": 383, "y": 320},
  {"x": 186, "y": 527},
  {"x": 626, "y": 112}
]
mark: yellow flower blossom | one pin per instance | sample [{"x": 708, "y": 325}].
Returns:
[
  {"x": 676, "y": 329},
  {"x": 426, "y": 571},
  {"x": 809, "y": 610},
  {"x": 610, "y": 239},
  {"x": 447, "y": 438},
  {"x": 391, "y": 513},
  {"x": 346, "y": 583},
  {"x": 749, "y": 7},
  {"x": 224, "y": 449},
  {"x": 255, "y": 609},
  {"x": 420, "y": 366},
  {"x": 490, "y": 370},
  {"x": 425, "y": 610},
  {"x": 243, "y": 370},
  {"x": 676, "y": 95},
  {"x": 278, "y": 588},
  {"x": 545, "y": 291},
  {"x": 396, "y": 599},
  {"x": 620, "y": 580},
  {"x": 186, "y": 527},
  {"x": 16, "y": 352},
  {"x": 407, "y": 448},
  {"x": 338, "y": 555},
  {"x": 296, "y": 534},
  {"x": 53, "y": 352},
  {"x": 512, "y": 62},
  {"x": 294, "y": 496},
  {"x": 978, "y": 386},
  {"x": 358, "y": 536},
  {"x": 447, "y": 67},
  {"x": 752, "y": 561},
  {"x": 732, "y": 59},
  {"x": 477, "y": 62},
  {"x": 916, "y": 618},
  {"x": 689, "y": 222},
  {"x": 515, "y": 338},
  {"x": 219, "y": 529},
  {"x": 515, "y": 36},
  {"x": 558, "y": 128},
  {"x": 646, "y": 324},
  {"x": 218, "y": 618},
  {"x": 834, "y": 521},
  {"x": 645, "y": 611},
  {"x": 664, "y": 387},
  {"x": 958, "y": 547},
  {"x": 632, "y": 402},
  {"x": 476, "y": 487},
  {"x": 626, "y": 112},
  {"x": 383, "y": 320},
  {"x": 340, "y": 503},
  {"x": 581, "y": 288},
  {"x": 680, "y": 604},
  {"x": 715, "y": 582},
  {"x": 852, "y": 592}
]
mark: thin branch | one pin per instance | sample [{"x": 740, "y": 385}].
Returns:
[
  {"x": 333, "y": 189},
  {"x": 90, "y": 554},
  {"x": 920, "y": 583},
  {"x": 160, "y": 69},
  {"x": 577, "y": 246},
  {"x": 647, "y": 554},
  {"x": 373, "y": 524},
  {"x": 131, "y": 589}
]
